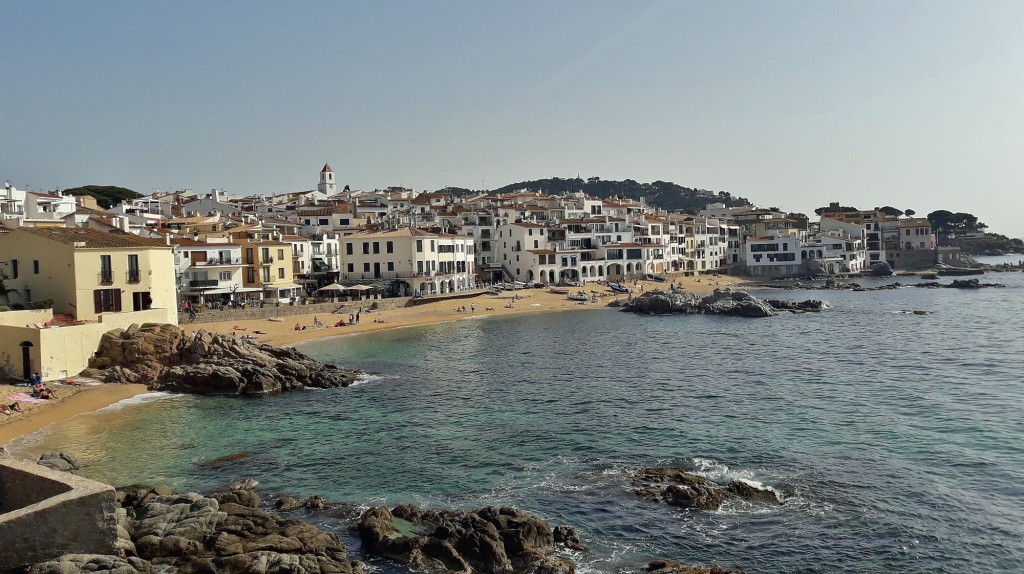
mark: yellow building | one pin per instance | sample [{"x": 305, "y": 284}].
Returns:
[
  {"x": 268, "y": 266},
  {"x": 97, "y": 281}
]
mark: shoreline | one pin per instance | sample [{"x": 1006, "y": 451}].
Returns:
[{"x": 71, "y": 401}]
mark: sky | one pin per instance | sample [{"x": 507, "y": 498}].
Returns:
[{"x": 791, "y": 104}]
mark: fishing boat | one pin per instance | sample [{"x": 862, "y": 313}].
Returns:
[
  {"x": 558, "y": 291},
  {"x": 580, "y": 296},
  {"x": 618, "y": 288},
  {"x": 658, "y": 278}
]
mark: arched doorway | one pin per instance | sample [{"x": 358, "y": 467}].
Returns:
[{"x": 26, "y": 359}]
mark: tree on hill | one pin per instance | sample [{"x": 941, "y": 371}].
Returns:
[
  {"x": 949, "y": 223},
  {"x": 890, "y": 211},
  {"x": 835, "y": 208},
  {"x": 107, "y": 196},
  {"x": 663, "y": 194}
]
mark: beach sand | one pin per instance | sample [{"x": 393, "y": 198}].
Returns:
[
  {"x": 72, "y": 400},
  {"x": 68, "y": 401}
]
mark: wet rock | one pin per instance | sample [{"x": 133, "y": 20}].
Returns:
[
  {"x": 721, "y": 302},
  {"x": 489, "y": 539},
  {"x": 167, "y": 358},
  {"x": 60, "y": 461},
  {"x": 568, "y": 537},
  {"x": 76, "y": 563},
  {"x": 676, "y": 487},
  {"x": 667, "y": 567}
]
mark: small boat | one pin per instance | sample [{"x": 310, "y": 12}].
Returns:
[
  {"x": 558, "y": 291},
  {"x": 581, "y": 296},
  {"x": 657, "y": 278},
  {"x": 959, "y": 271},
  {"x": 618, "y": 288}
]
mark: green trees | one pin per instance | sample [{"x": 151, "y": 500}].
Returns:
[
  {"x": 106, "y": 196},
  {"x": 949, "y": 223}
]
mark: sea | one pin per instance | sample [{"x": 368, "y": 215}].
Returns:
[{"x": 894, "y": 440}]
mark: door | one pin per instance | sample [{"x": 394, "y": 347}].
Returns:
[
  {"x": 376, "y": 270},
  {"x": 26, "y": 360}
]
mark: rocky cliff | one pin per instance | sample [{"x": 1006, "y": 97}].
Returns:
[
  {"x": 721, "y": 302},
  {"x": 164, "y": 357}
]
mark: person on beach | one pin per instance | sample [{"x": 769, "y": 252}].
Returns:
[
  {"x": 351, "y": 319},
  {"x": 472, "y": 307},
  {"x": 46, "y": 393}
]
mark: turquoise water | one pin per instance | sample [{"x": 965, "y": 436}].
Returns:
[{"x": 894, "y": 440}]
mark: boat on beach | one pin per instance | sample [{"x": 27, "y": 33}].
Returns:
[
  {"x": 618, "y": 288},
  {"x": 558, "y": 291},
  {"x": 580, "y": 296}
]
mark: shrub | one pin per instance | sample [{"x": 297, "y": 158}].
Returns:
[{"x": 42, "y": 304}]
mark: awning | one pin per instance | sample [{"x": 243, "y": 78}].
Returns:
[
  {"x": 319, "y": 265},
  {"x": 359, "y": 288},
  {"x": 280, "y": 287},
  {"x": 221, "y": 291},
  {"x": 332, "y": 287}
]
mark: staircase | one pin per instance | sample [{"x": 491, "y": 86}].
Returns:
[{"x": 62, "y": 320}]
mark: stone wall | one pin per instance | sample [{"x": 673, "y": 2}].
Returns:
[
  {"x": 45, "y": 513},
  {"x": 250, "y": 313}
]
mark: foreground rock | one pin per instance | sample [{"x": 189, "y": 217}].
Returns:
[
  {"x": 721, "y": 302},
  {"x": 165, "y": 357},
  {"x": 676, "y": 487},
  {"x": 488, "y": 540}
]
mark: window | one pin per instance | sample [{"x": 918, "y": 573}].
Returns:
[
  {"x": 366, "y": 267},
  {"x": 106, "y": 271},
  {"x": 107, "y": 300},
  {"x": 389, "y": 246},
  {"x": 419, "y": 247},
  {"x": 391, "y": 265},
  {"x": 376, "y": 247},
  {"x": 280, "y": 273},
  {"x": 322, "y": 221},
  {"x": 35, "y": 266},
  {"x": 266, "y": 274},
  {"x": 351, "y": 268},
  {"x": 431, "y": 245},
  {"x": 225, "y": 276},
  {"x": 280, "y": 254},
  {"x": 14, "y": 268},
  {"x": 348, "y": 249},
  {"x": 265, "y": 255},
  {"x": 134, "y": 275},
  {"x": 366, "y": 248}
]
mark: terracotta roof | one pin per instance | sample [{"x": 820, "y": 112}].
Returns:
[
  {"x": 327, "y": 168},
  {"x": 192, "y": 243},
  {"x": 401, "y": 232},
  {"x": 93, "y": 238}
]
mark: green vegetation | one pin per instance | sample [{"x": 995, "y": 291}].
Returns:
[
  {"x": 949, "y": 223},
  {"x": 663, "y": 194},
  {"x": 107, "y": 196}
]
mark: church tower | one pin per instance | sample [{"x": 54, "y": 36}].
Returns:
[{"x": 327, "y": 184}]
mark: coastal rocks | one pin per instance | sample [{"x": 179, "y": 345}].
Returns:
[
  {"x": 166, "y": 358},
  {"x": 72, "y": 563},
  {"x": 806, "y": 306},
  {"x": 721, "y": 302},
  {"x": 959, "y": 284},
  {"x": 60, "y": 461},
  {"x": 228, "y": 534},
  {"x": 687, "y": 490},
  {"x": 489, "y": 539},
  {"x": 667, "y": 567}
]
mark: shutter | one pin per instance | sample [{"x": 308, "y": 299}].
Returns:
[
  {"x": 117, "y": 300},
  {"x": 97, "y": 301}
]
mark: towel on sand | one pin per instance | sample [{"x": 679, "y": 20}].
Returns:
[{"x": 24, "y": 398}]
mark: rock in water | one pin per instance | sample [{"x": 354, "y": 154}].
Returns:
[
  {"x": 489, "y": 539},
  {"x": 165, "y": 357},
  {"x": 687, "y": 490},
  {"x": 721, "y": 302}
]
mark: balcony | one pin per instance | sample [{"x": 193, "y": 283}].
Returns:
[
  {"x": 134, "y": 275},
  {"x": 266, "y": 261},
  {"x": 202, "y": 283},
  {"x": 220, "y": 261},
  {"x": 106, "y": 276}
]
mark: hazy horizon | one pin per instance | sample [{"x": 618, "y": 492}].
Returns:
[{"x": 794, "y": 104}]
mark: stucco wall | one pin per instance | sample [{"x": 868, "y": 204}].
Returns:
[
  {"x": 27, "y": 317},
  {"x": 61, "y": 349},
  {"x": 45, "y": 513}
]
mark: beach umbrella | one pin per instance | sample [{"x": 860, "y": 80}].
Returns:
[
  {"x": 332, "y": 287},
  {"x": 360, "y": 287}
]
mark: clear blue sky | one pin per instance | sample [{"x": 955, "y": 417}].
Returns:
[{"x": 912, "y": 104}]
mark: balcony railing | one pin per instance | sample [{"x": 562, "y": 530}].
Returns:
[
  {"x": 266, "y": 260},
  {"x": 106, "y": 276},
  {"x": 134, "y": 275},
  {"x": 198, "y": 283},
  {"x": 221, "y": 261}
]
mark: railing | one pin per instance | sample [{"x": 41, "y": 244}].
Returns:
[
  {"x": 134, "y": 275},
  {"x": 266, "y": 261},
  {"x": 222, "y": 261},
  {"x": 106, "y": 276},
  {"x": 197, "y": 283}
]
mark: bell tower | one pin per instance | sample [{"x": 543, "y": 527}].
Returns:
[{"x": 327, "y": 184}]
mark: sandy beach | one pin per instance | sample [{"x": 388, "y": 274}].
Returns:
[{"x": 72, "y": 400}]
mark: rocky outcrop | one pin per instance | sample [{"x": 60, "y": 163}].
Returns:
[
  {"x": 487, "y": 540},
  {"x": 227, "y": 534},
  {"x": 166, "y": 358},
  {"x": 958, "y": 284},
  {"x": 721, "y": 302},
  {"x": 61, "y": 461},
  {"x": 676, "y": 487},
  {"x": 667, "y": 567}
]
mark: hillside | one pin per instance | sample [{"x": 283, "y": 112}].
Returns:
[
  {"x": 106, "y": 196},
  {"x": 988, "y": 244},
  {"x": 664, "y": 194}
]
